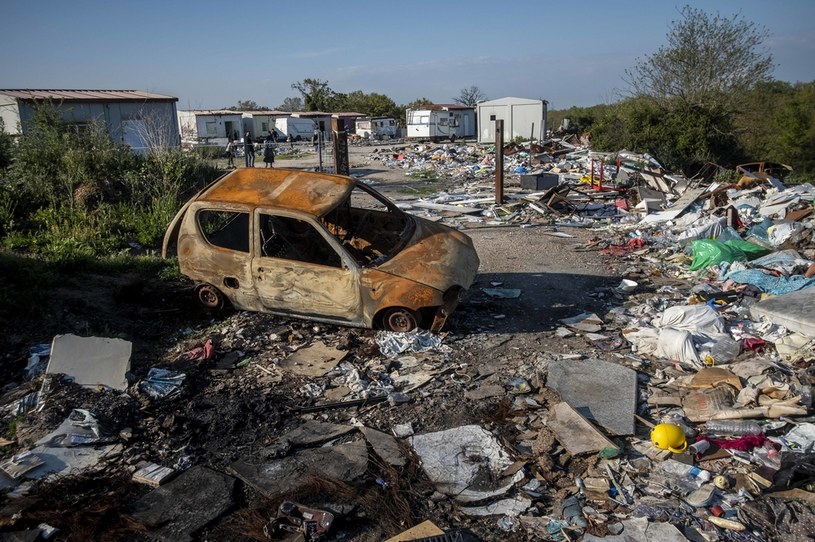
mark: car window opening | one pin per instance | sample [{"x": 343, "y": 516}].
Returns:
[
  {"x": 368, "y": 228},
  {"x": 292, "y": 239},
  {"x": 225, "y": 229}
]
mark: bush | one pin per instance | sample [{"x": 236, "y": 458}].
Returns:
[{"x": 72, "y": 195}]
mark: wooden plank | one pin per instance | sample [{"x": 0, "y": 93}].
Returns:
[
  {"x": 575, "y": 432},
  {"x": 442, "y": 207}
]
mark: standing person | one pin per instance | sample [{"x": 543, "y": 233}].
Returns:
[
  {"x": 249, "y": 150},
  {"x": 268, "y": 150},
  {"x": 230, "y": 153},
  {"x": 290, "y": 139}
]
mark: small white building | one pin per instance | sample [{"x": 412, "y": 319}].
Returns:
[
  {"x": 522, "y": 118},
  {"x": 442, "y": 121},
  {"x": 211, "y": 126},
  {"x": 259, "y": 123},
  {"x": 139, "y": 119}
]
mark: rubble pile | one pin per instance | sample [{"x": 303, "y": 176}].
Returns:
[{"x": 675, "y": 404}]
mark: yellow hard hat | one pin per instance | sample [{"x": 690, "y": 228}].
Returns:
[{"x": 667, "y": 436}]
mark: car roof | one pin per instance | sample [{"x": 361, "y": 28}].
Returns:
[{"x": 306, "y": 191}]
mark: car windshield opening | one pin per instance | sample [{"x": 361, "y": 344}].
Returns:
[{"x": 370, "y": 228}]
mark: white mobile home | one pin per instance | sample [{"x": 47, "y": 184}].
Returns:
[
  {"x": 375, "y": 127},
  {"x": 207, "y": 126},
  {"x": 522, "y": 118},
  {"x": 140, "y": 119},
  {"x": 438, "y": 122}
]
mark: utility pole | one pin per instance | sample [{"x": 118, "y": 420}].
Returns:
[{"x": 499, "y": 161}]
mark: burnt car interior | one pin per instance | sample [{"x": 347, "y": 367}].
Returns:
[
  {"x": 225, "y": 229},
  {"x": 370, "y": 229},
  {"x": 293, "y": 239}
]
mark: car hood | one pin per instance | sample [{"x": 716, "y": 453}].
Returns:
[{"x": 437, "y": 256}]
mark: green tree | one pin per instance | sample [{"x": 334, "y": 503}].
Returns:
[
  {"x": 247, "y": 105},
  {"x": 709, "y": 60},
  {"x": 795, "y": 133},
  {"x": 316, "y": 94},
  {"x": 6, "y": 145},
  {"x": 291, "y": 104},
  {"x": 689, "y": 93},
  {"x": 418, "y": 103}
]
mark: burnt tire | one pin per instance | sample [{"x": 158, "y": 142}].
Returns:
[
  {"x": 400, "y": 319},
  {"x": 209, "y": 297}
]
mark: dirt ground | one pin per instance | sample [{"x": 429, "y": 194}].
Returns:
[{"x": 224, "y": 414}]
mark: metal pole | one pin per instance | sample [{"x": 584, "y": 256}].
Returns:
[
  {"x": 320, "y": 147},
  {"x": 545, "y": 119},
  {"x": 499, "y": 161}
]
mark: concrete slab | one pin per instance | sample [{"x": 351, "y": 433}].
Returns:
[
  {"x": 603, "y": 392},
  {"x": 385, "y": 446},
  {"x": 314, "y": 432},
  {"x": 188, "y": 503},
  {"x": 91, "y": 361},
  {"x": 314, "y": 360},
  {"x": 795, "y": 311},
  {"x": 344, "y": 462}
]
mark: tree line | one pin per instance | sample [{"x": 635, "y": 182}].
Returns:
[
  {"x": 317, "y": 95},
  {"x": 706, "y": 96}
]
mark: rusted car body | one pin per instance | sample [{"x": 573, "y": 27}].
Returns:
[{"x": 321, "y": 247}]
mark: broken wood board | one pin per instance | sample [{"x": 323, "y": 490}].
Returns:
[
  {"x": 448, "y": 208},
  {"x": 674, "y": 211},
  {"x": 314, "y": 361},
  {"x": 153, "y": 475},
  {"x": 425, "y": 529},
  {"x": 91, "y": 361},
  {"x": 585, "y": 321},
  {"x": 710, "y": 377},
  {"x": 575, "y": 432}
]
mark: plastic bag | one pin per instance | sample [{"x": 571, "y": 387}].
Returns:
[
  {"x": 751, "y": 250},
  {"x": 707, "y": 252}
]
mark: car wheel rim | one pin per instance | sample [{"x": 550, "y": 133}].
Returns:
[
  {"x": 209, "y": 297},
  {"x": 400, "y": 320}
]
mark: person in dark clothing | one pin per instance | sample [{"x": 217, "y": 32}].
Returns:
[
  {"x": 268, "y": 150},
  {"x": 249, "y": 150},
  {"x": 230, "y": 152}
]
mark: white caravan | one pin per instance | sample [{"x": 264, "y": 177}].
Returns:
[{"x": 438, "y": 122}]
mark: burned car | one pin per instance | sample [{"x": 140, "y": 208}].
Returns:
[{"x": 321, "y": 247}]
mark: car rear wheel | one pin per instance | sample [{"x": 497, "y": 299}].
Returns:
[
  {"x": 400, "y": 320},
  {"x": 209, "y": 296}
]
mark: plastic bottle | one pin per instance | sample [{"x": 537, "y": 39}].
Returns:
[
  {"x": 682, "y": 470},
  {"x": 733, "y": 427}
]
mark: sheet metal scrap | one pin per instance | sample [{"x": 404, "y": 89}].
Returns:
[{"x": 305, "y": 524}]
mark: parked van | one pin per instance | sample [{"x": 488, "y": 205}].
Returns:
[
  {"x": 298, "y": 129},
  {"x": 320, "y": 247}
]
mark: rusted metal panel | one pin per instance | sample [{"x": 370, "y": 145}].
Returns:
[
  {"x": 314, "y": 193},
  {"x": 437, "y": 256}
]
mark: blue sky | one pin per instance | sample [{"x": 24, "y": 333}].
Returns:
[{"x": 212, "y": 54}]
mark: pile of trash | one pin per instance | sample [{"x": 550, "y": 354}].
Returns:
[{"x": 678, "y": 407}]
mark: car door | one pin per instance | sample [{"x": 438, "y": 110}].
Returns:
[{"x": 298, "y": 270}]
